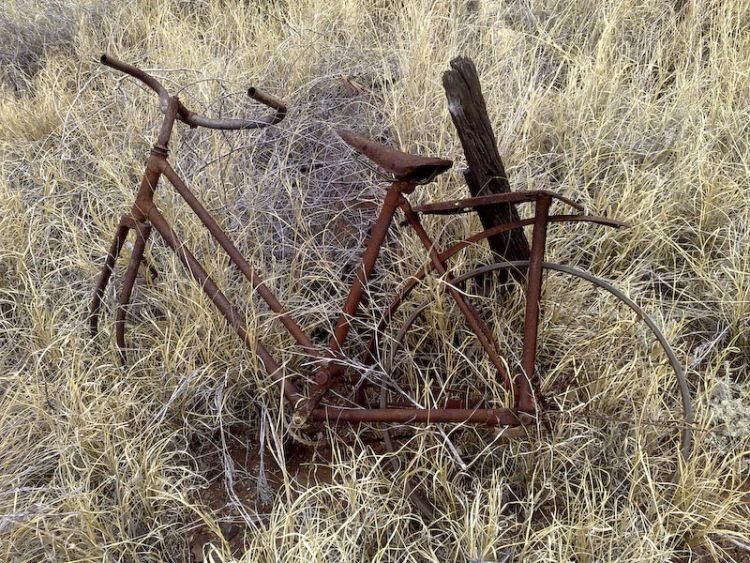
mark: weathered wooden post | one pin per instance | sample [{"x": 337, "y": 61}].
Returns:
[{"x": 486, "y": 173}]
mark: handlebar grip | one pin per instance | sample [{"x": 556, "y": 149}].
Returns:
[{"x": 270, "y": 101}]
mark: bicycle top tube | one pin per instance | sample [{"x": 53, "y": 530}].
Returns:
[{"x": 195, "y": 120}]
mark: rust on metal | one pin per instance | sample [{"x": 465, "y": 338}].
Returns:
[
  {"x": 142, "y": 233},
  {"x": 489, "y": 417},
  {"x": 527, "y": 385},
  {"x": 455, "y": 206},
  {"x": 193, "y": 119},
  {"x": 238, "y": 260},
  {"x": 480, "y": 329},
  {"x": 315, "y": 402}
]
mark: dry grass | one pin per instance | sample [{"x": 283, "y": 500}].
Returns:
[{"x": 639, "y": 110}]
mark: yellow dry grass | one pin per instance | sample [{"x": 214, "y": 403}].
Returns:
[{"x": 639, "y": 110}]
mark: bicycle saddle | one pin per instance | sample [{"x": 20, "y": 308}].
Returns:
[{"x": 404, "y": 166}]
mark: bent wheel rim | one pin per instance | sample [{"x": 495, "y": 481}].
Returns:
[{"x": 679, "y": 371}]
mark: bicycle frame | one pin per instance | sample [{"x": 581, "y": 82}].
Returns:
[{"x": 145, "y": 216}]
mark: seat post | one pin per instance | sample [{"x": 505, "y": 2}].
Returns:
[{"x": 367, "y": 264}]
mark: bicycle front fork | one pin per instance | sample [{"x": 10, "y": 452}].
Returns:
[{"x": 142, "y": 232}]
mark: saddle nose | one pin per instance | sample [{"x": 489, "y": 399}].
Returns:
[{"x": 407, "y": 167}]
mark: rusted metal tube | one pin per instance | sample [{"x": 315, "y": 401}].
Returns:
[
  {"x": 238, "y": 260},
  {"x": 165, "y": 132},
  {"x": 270, "y": 101},
  {"x": 328, "y": 375},
  {"x": 490, "y": 417},
  {"x": 106, "y": 273},
  {"x": 142, "y": 233},
  {"x": 368, "y": 357},
  {"x": 367, "y": 265},
  {"x": 456, "y": 206},
  {"x": 222, "y": 303},
  {"x": 193, "y": 119},
  {"x": 525, "y": 222},
  {"x": 144, "y": 77},
  {"x": 525, "y": 398},
  {"x": 477, "y": 325},
  {"x": 144, "y": 199}
]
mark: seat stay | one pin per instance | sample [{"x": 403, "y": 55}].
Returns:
[{"x": 369, "y": 356}]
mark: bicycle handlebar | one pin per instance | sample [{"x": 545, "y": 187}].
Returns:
[{"x": 193, "y": 119}]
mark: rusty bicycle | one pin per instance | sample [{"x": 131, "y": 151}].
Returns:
[{"x": 403, "y": 375}]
